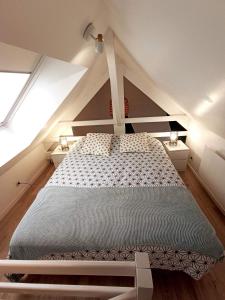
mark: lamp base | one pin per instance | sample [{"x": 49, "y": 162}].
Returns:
[
  {"x": 65, "y": 149},
  {"x": 88, "y": 31},
  {"x": 173, "y": 143}
]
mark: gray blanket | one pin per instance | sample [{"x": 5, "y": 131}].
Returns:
[{"x": 65, "y": 219}]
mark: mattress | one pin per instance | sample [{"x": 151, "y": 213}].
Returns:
[{"x": 106, "y": 208}]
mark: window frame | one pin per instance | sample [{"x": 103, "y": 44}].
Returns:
[
  {"x": 18, "y": 99},
  {"x": 34, "y": 74}
]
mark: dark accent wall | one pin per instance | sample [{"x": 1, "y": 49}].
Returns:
[
  {"x": 139, "y": 106},
  {"x": 96, "y": 109}
]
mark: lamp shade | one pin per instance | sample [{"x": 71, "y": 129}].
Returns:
[
  {"x": 99, "y": 43},
  {"x": 64, "y": 143},
  {"x": 173, "y": 138}
]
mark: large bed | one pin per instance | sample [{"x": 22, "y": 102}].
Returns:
[{"x": 106, "y": 208}]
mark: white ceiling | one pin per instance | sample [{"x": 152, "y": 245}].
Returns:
[
  {"x": 17, "y": 59},
  {"x": 51, "y": 27}
]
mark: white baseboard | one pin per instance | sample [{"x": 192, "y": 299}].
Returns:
[
  {"x": 22, "y": 191},
  {"x": 206, "y": 188}
]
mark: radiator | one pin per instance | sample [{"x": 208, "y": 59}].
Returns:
[{"x": 212, "y": 173}]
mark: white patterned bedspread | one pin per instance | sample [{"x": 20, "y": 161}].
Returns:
[
  {"x": 119, "y": 169},
  {"x": 127, "y": 170}
]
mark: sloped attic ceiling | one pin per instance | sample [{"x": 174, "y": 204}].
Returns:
[
  {"x": 17, "y": 59},
  {"x": 52, "y": 27},
  {"x": 181, "y": 45},
  {"x": 95, "y": 78}
]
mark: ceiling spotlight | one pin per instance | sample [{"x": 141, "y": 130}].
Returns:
[
  {"x": 208, "y": 99},
  {"x": 99, "y": 41}
]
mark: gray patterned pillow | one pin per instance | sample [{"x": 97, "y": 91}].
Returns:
[
  {"x": 135, "y": 142},
  {"x": 97, "y": 144}
]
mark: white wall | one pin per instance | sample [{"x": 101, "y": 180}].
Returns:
[
  {"x": 17, "y": 59},
  {"x": 208, "y": 165},
  {"x": 27, "y": 169},
  {"x": 88, "y": 86},
  {"x": 198, "y": 138}
]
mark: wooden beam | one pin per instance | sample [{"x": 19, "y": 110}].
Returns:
[
  {"x": 120, "y": 72},
  {"x": 63, "y": 290},
  {"x": 63, "y": 267},
  {"x": 140, "y": 268},
  {"x": 167, "y": 134},
  {"x": 142, "y": 260},
  {"x": 123, "y": 121},
  {"x": 155, "y": 119},
  {"x": 116, "y": 82},
  {"x": 86, "y": 123},
  {"x": 131, "y": 295},
  {"x": 144, "y": 284}
]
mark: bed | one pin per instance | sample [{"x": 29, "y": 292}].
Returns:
[{"x": 107, "y": 208}]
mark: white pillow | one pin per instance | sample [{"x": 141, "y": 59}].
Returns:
[
  {"x": 97, "y": 144},
  {"x": 134, "y": 142}
]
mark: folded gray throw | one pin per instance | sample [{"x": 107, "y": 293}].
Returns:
[{"x": 66, "y": 219}]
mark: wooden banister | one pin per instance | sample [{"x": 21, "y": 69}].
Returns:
[
  {"x": 68, "y": 267},
  {"x": 140, "y": 269}
]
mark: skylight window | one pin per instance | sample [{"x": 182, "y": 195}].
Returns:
[{"x": 11, "y": 85}]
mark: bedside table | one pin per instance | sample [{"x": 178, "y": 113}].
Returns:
[
  {"x": 58, "y": 155},
  {"x": 178, "y": 154}
]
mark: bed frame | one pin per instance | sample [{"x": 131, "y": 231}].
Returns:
[{"x": 139, "y": 269}]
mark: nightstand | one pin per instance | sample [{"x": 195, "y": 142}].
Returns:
[
  {"x": 58, "y": 155},
  {"x": 178, "y": 154}
]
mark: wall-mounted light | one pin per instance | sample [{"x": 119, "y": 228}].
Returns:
[
  {"x": 63, "y": 143},
  {"x": 99, "y": 41},
  {"x": 173, "y": 138}
]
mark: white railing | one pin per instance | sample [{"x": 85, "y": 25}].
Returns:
[
  {"x": 179, "y": 118},
  {"x": 140, "y": 269}
]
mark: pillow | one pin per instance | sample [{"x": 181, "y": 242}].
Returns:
[
  {"x": 135, "y": 142},
  {"x": 97, "y": 144}
]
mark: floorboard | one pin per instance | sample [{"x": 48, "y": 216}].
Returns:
[{"x": 167, "y": 285}]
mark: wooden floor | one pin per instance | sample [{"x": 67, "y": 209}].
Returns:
[{"x": 167, "y": 285}]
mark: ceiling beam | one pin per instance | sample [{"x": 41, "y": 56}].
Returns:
[
  {"x": 177, "y": 118},
  {"x": 116, "y": 83},
  {"x": 123, "y": 121},
  {"x": 86, "y": 123}
]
